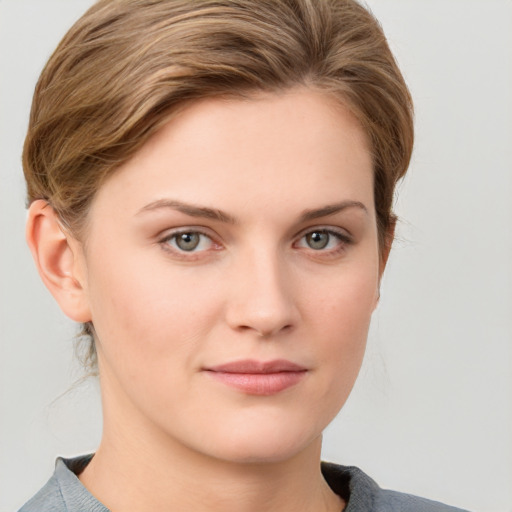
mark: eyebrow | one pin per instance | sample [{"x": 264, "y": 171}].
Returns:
[
  {"x": 331, "y": 209},
  {"x": 216, "y": 214},
  {"x": 190, "y": 210}
]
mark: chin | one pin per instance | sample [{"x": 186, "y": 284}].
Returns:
[
  {"x": 263, "y": 444},
  {"x": 259, "y": 453}
]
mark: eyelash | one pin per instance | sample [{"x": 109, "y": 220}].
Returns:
[
  {"x": 165, "y": 242},
  {"x": 343, "y": 239}
]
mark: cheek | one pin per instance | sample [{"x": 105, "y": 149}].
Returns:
[
  {"x": 147, "y": 314},
  {"x": 346, "y": 302},
  {"x": 342, "y": 317}
]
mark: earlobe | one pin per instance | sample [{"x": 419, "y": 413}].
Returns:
[{"x": 58, "y": 260}]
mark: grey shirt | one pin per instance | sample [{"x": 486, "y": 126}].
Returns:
[{"x": 65, "y": 493}]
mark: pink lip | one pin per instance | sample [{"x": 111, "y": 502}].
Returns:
[{"x": 258, "y": 377}]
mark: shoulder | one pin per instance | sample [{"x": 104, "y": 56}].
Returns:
[
  {"x": 388, "y": 501},
  {"x": 64, "y": 491},
  {"x": 364, "y": 495},
  {"x": 48, "y": 499}
]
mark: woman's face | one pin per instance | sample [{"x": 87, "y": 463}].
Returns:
[{"x": 231, "y": 270}]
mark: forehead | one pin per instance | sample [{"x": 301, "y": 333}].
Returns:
[{"x": 298, "y": 144}]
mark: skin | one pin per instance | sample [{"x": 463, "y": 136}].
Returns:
[{"x": 256, "y": 287}]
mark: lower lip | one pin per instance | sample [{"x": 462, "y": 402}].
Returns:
[{"x": 263, "y": 384}]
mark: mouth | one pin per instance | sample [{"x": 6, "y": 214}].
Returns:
[{"x": 262, "y": 378}]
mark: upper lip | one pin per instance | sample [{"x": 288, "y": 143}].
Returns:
[{"x": 257, "y": 367}]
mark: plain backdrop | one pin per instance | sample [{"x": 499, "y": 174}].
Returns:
[{"x": 432, "y": 411}]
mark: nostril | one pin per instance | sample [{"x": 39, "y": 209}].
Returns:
[
  {"x": 266, "y": 332},
  {"x": 263, "y": 305}
]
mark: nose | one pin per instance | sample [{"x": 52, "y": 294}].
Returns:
[{"x": 263, "y": 300}]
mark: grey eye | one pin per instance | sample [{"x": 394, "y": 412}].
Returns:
[
  {"x": 187, "y": 241},
  {"x": 318, "y": 240}
]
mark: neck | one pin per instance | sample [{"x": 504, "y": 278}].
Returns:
[{"x": 131, "y": 472}]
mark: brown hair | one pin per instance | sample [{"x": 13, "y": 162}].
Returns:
[{"x": 126, "y": 66}]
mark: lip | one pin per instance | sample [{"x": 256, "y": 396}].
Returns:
[{"x": 262, "y": 378}]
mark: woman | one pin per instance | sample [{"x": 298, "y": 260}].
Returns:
[{"x": 210, "y": 189}]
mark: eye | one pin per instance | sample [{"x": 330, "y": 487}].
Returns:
[
  {"x": 324, "y": 240},
  {"x": 318, "y": 240},
  {"x": 188, "y": 241}
]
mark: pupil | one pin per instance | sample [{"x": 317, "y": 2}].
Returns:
[
  {"x": 187, "y": 241},
  {"x": 318, "y": 240}
]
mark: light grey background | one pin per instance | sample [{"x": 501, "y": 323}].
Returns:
[{"x": 432, "y": 411}]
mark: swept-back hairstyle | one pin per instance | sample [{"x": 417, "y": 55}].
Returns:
[{"x": 127, "y": 66}]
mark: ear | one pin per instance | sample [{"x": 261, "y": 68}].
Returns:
[
  {"x": 59, "y": 259},
  {"x": 389, "y": 236}
]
